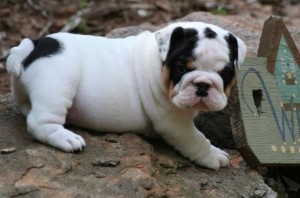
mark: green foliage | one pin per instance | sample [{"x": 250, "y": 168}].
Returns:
[
  {"x": 83, "y": 27},
  {"x": 219, "y": 11},
  {"x": 83, "y": 3}
]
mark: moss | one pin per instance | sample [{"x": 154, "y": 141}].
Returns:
[{"x": 219, "y": 11}]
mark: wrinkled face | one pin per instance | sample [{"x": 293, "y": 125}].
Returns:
[{"x": 199, "y": 64}]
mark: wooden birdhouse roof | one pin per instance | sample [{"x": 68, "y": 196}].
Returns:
[{"x": 274, "y": 29}]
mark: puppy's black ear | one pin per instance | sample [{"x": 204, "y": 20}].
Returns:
[
  {"x": 237, "y": 53},
  {"x": 233, "y": 48},
  {"x": 176, "y": 39},
  {"x": 185, "y": 39},
  {"x": 180, "y": 53},
  {"x": 173, "y": 36}
]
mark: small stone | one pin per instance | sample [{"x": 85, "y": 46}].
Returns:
[
  {"x": 219, "y": 180},
  {"x": 166, "y": 162},
  {"x": 171, "y": 171},
  {"x": 106, "y": 162},
  {"x": 112, "y": 138},
  {"x": 99, "y": 175},
  {"x": 144, "y": 13},
  {"x": 203, "y": 182},
  {"x": 8, "y": 150},
  {"x": 23, "y": 190},
  {"x": 39, "y": 165},
  {"x": 80, "y": 195},
  {"x": 147, "y": 183},
  {"x": 259, "y": 193}
]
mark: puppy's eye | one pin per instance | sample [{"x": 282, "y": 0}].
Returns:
[{"x": 181, "y": 69}]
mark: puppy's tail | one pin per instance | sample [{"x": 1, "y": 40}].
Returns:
[{"x": 14, "y": 63}]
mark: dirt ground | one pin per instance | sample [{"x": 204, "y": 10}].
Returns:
[{"x": 33, "y": 19}]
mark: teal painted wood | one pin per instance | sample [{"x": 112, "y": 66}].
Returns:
[{"x": 287, "y": 74}]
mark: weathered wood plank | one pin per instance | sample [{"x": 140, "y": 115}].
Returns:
[{"x": 266, "y": 102}]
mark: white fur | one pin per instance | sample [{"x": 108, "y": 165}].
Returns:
[
  {"x": 17, "y": 55},
  {"x": 116, "y": 85}
]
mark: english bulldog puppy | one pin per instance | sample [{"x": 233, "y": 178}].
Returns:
[{"x": 154, "y": 82}]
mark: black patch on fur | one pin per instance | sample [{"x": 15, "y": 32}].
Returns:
[
  {"x": 209, "y": 33},
  {"x": 43, "y": 47},
  {"x": 182, "y": 43},
  {"x": 233, "y": 48},
  {"x": 228, "y": 73}
]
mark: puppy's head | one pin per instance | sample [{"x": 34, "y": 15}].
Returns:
[{"x": 199, "y": 64}]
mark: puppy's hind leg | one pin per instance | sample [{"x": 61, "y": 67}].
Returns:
[
  {"x": 20, "y": 96},
  {"x": 51, "y": 95}
]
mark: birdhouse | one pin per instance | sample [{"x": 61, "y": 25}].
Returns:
[{"x": 265, "y": 102}]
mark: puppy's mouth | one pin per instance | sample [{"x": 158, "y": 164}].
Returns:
[
  {"x": 201, "y": 105},
  {"x": 200, "y": 91}
]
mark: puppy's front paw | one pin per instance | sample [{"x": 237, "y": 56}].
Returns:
[
  {"x": 66, "y": 140},
  {"x": 215, "y": 159}
]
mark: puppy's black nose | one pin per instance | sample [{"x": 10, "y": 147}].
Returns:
[{"x": 202, "y": 89}]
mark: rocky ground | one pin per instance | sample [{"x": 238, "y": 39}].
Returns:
[{"x": 110, "y": 166}]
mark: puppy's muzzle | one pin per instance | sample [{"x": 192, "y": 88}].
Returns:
[{"x": 202, "y": 89}]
